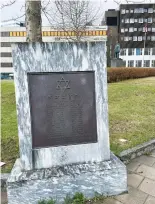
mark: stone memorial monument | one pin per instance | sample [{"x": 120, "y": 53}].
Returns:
[{"x": 62, "y": 109}]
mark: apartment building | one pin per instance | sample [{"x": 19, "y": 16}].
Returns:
[
  {"x": 137, "y": 34},
  {"x": 18, "y": 34}
]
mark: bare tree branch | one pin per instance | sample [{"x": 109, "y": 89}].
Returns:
[
  {"x": 8, "y": 4},
  {"x": 14, "y": 19},
  {"x": 71, "y": 16}
]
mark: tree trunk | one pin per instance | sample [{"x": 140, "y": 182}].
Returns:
[{"x": 33, "y": 21}]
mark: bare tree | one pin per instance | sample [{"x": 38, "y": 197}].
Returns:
[{"x": 72, "y": 16}]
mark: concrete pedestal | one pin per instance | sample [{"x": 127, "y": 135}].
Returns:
[
  {"x": 28, "y": 187},
  {"x": 118, "y": 63}
]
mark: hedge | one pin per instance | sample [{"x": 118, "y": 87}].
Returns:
[{"x": 119, "y": 74}]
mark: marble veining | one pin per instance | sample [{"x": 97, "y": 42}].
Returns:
[
  {"x": 59, "y": 57},
  {"x": 106, "y": 178}
]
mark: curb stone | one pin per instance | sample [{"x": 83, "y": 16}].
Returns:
[
  {"x": 129, "y": 154},
  {"x": 125, "y": 156}
]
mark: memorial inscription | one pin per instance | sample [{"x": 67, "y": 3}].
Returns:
[{"x": 63, "y": 108}]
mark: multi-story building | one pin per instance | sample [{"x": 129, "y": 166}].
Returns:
[
  {"x": 137, "y": 34},
  {"x": 18, "y": 34},
  {"x": 112, "y": 21}
]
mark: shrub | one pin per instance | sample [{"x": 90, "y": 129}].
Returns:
[{"x": 119, "y": 74}]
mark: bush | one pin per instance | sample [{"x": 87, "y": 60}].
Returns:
[{"x": 119, "y": 74}]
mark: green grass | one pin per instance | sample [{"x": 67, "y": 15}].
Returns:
[
  {"x": 131, "y": 112},
  {"x": 9, "y": 140},
  {"x": 131, "y": 116}
]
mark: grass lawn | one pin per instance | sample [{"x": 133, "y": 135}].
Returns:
[
  {"x": 131, "y": 112},
  {"x": 131, "y": 116}
]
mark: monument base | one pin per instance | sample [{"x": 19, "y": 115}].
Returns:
[
  {"x": 118, "y": 63},
  {"x": 107, "y": 178}
]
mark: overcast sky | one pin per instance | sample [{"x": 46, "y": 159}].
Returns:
[{"x": 17, "y": 9}]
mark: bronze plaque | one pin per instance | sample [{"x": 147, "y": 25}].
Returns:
[{"x": 63, "y": 108}]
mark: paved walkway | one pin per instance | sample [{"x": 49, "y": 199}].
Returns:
[{"x": 141, "y": 183}]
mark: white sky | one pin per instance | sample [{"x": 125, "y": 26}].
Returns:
[{"x": 17, "y": 9}]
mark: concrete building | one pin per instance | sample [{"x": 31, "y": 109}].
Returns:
[
  {"x": 137, "y": 34},
  {"x": 112, "y": 20},
  {"x": 18, "y": 34},
  {"x": 134, "y": 24}
]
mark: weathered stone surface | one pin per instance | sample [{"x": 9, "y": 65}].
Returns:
[
  {"x": 110, "y": 201},
  {"x": 148, "y": 186},
  {"x": 134, "y": 180},
  {"x": 146, "y": 171},
  {"x": 133, "y": 166},
  {"x": 150, "y": 200},
  {"x": 145, "y": 160},
  {"x": 4, "y": 197},
  {"x": 107, "y": 178},
  {"x": 134, "y": 197}
]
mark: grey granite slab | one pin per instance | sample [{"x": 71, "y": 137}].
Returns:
[{"x": 106, "y": 178}]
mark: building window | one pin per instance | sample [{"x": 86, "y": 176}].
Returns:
[
  {"x": 127, "y": 11},
  {"x": 126, "y": 39},
  {"x": 6, "y": 64},
  {"x": 145, "y": 20},
  {"x": 131, "y": 63},
  {"x": 152, "y": 38},
  {"x": 131, "y": 51},
  {"x": 147, "y": 51},
  {"x": 138, "y": 10},
  {"x": 146, "y": 63},
  {"x": 5, "y": 54},
  {"x": 150, "y": 10},
  {"x": 122, "y": 20},
  {"x": 123, "y": 11},
  {"x": 144, "y": 37},
  {"x": 131, "y": 11},
  {"x": 131, "y": 29},
  {"x": 140, "y": 38},
  {"x": 153, "y": 51},
  {"x": 140, "y": 20},
  {"x": 127, "y": 20},
  {"x": 153, "y": 29},
  {"x": 123, "y": 52},
  {"x": 148, "y": 37},
  {"x": 134, "y": 38},
  {"x": 122, "y": 38},
  {"x": 5, "y": 44},
  {"x": 140, "y": 29},
  {"x": 149, "y": 20},
  {"x": 145, "y": 10},
  {"x": 136, "y": 20},
  {"x": 141, "y": 10},
  {"x": 126, "y": 29},
  {"x": 132, "y": 20},
  {"x": 138, "y": 63},
  {"x": 148, "y": 29},
  {"x": 122, "y": 30},
  {"x": 130, "y": 38},
  {"x": 5, "y": 34},
  {"x": 139, "y": 51},
  {"x": 135, "y": 29},
  {"x": 144, "y": 29},
  {"x": 153, "y": 63}
]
